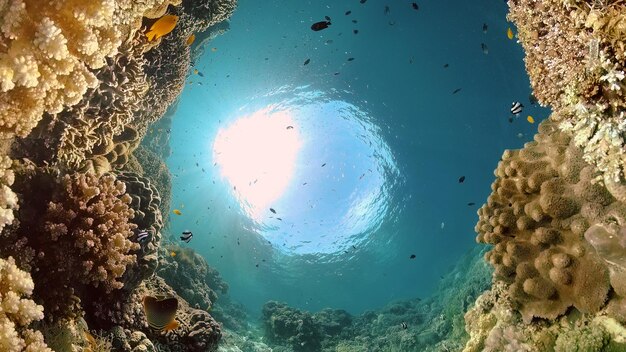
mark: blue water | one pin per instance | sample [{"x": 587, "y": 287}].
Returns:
[{"x": 392, "y": 138}]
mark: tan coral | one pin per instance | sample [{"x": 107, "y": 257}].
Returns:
[
  {"x": 17, "y": 311},
  {"x": 542, "y": 203}
]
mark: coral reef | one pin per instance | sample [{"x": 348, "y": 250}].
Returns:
[
  {"x": 191, "y": 277},
  {"x": 291, "y": 327},
  {"x": 17, "y": 311},
  {"x": 81, "y": 214},
  {"x": 197, "y": 332},
  {"x": 542, "y": 203},
  {"x": 8, "y": 199},
  {"x": 145, "y": 202},
  {"x": 575, "y": 59}
]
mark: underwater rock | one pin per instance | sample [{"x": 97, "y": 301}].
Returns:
[{"x": 542, "y": 203}]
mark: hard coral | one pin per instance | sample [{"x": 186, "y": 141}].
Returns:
[
  {"x": 542, "y": 203},
  {"x": 17, "y": 311},
  {"x": 8, "y": 199},
  {"x": 575, "y": 57},
  {"x": 78, "y": 229}
]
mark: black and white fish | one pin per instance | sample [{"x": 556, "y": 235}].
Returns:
[
  {"x": 404, "y": 325},
  {"x": 516, "y": 108},
  {"x": 186, "y": 236},
  {"x": 142, "y": 236}
]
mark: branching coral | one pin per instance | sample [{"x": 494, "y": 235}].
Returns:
[
  {"x": 8, "y": 199},
  {"x": 542, "y": 203},
  {"x": 17, "y": 311},
  {"x": 78, "y": 229},
  {"x": 575, "y": 57}
]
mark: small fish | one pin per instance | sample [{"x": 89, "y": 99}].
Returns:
[
  {"x": 190, "y": 39},
  {"x": 485, "y": 27},
  {"x": 213, "y": 49},
  {"x": 356, "y": 31},
  {"x": 272, "y": 210},
  {"x": 443, "y": 224},
  {"x": 413, "y": 256},
  {"x": 177, "y": 212},
  {"x": 142, "y": 236},
  {"x": 161, "y": 27},
  {"x": 511, "y": 119},
  {"x": 195, "y": 71},
  {"x": 290, "y": 127},
  {"x": 456, "y": 90},
  {"x": 354, "y": 21},
  {"x": 446, "y": 65},
  {"x": 362, "y": 1},
  {"x": 532, "y": 99},
  {"x": 530, "y": 119},
  {"x": 484, "y": 48},
  {"x": 387, "y": 10},
  {"x": 414, "y": 6},
  {"x": 200, "y": 74},
  {"x": 161, "y": 313},
  {"x": 172, "y": 254},
  {"x": 470, "y": 204},
  {"x": 324, "y": 164},
  {"x": 350, "y": 59},
  {"x": 318, "y": 26},
  {"x": 509, "y": 33},
  {"x": 392, "y": 23},
  {"x": 404, "y": 326},
  {"x": 327, "y": 18},
  {"x": 461, "y": 179},
  {"x": 306, "y": 62},
  {"x": 520, "y": 135},
  {"x": 348, "y": 12},
  {"x": 186, "y": 236},
  {"x": 279, "y": 219},
  {"x": 516, "y": 108}
]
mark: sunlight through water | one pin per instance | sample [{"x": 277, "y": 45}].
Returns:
[{"x": 312, "y": 174}]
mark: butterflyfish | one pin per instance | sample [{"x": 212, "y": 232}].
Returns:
[
  {"x": 530, "y": 119},
  {"x": 191, "y": 39},
  {"x": 177, "y": 212},
  {"x": 161, "y": 314},
  {"x": 509, "y": 33},
  {"x": 161, "y": 27},
  {"x": 516, "y": 107},
  {"x": 186, "y": 236}
]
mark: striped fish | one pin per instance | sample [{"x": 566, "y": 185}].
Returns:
[
  {"x": 516, "y": 108},
  {"x": 404, "y": 325},
  {"x": 142, "y": 236},
  {"x": 161, "y": 314},
  {"x": 186, "y": 236}
]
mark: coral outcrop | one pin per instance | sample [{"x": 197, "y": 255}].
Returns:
[
  {"x": 575, "y": 58},
  {"x": 8, "y": 199},
  {"x": 17, "y": 311},
  {"x": 542, "y": 203},
  {"x": 291, "y": 327},
  {"x": 191, "y": 277}
]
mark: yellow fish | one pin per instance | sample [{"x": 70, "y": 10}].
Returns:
[
  {"x": 177, "y": 212},
  {"x": 172, "y": 254},
  {"x": 161, "y": 313},
  {"x": 530, "y": 119},
  {"x": 191, "y": 39},
  {"x": 509, "y": 33},
  {"x": 161, "y": 27},
  {"x": 195, "y": 71}
]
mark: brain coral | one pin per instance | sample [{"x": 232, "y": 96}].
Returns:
[
  {"x": 575, "y": 55},
  {"x": 17, "y": 311},
  {"x": 542, "y": 203}
]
